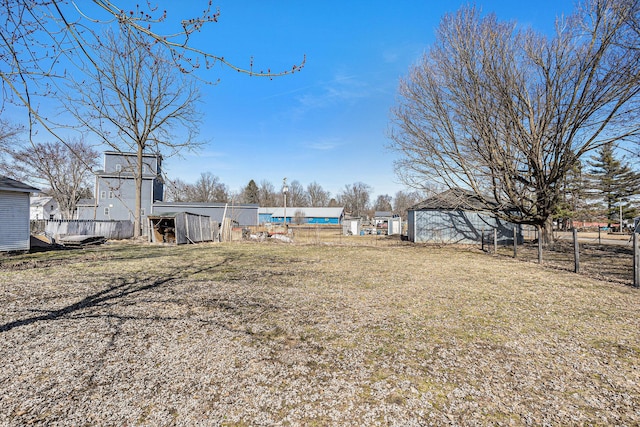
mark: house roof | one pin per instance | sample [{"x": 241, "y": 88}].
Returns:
[
  {"x": 383, "y": 214},
  {"x": 40, "y": 201},
  {"x": 8, "y": 184},
  {"x": 453, "y": 199},
  {"x": 308, "y": 212}
]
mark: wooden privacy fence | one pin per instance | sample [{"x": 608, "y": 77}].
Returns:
[
  {"x": 114, "y": 230},
  {"x": 620, "y": 259}
]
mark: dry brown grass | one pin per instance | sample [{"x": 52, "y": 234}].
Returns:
[{"x": 312, "y": 334}]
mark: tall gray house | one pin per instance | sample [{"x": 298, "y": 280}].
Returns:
[{"x": 115, "y": 188}]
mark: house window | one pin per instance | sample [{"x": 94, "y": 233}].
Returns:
[
  {"x": 103, "y": 194},
  {"x": 106, "y": 211},
  {"x": 111, "y": 194}
]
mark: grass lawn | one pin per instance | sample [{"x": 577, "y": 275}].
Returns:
[{"x": 245, "y": 334}]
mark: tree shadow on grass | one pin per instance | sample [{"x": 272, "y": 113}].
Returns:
[{"x": 111, "y": 295}]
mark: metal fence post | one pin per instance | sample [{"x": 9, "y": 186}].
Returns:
[
  {"x": 576, "y": 252},
  {"x": 636, "y": 261}
]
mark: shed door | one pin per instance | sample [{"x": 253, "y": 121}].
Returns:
[{"x": 14, "y": 221}]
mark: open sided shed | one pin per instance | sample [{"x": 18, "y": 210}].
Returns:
[
  {"x": 243, "y": 215},
  {"x": 456, "y": 216},
  {"x": 180, "y": 228}
]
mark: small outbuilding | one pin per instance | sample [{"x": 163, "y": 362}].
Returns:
[
  {"x": 242, "y": 215},
  {"x": 14, "y": 215},
  {"x": 457, "y": 216},
  {"x": 180, "y": 228}
]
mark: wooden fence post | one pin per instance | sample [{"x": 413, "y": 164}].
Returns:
[
  {"x": 515, "y": 241},
  {"x": 636, "y": 261},
  {"x": 482, "y": 239},
  {"x": 576, "y": 251},
  {"x": 495, "y": 241}
]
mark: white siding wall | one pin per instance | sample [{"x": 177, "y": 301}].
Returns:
[{"x": 14, "y": 221}]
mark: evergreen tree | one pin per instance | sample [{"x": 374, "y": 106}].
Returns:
[
  {"x": 573, "y": 204},
  {"x": 613, "y": 182},
  {"x": 251, "y": 193}
]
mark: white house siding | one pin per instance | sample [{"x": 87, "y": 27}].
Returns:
[
  {"x": 14, "y": 221},
  {"x": 457, "y": 226}
]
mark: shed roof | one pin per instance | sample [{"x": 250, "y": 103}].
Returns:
[
  {"x": 453, "y": 199},
  {"x": 205, "y": 205},
  {"x": 8, "y": 184},
  {"x": 174, "y": 214}
]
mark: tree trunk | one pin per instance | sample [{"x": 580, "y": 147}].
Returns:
[
  {"x": 137, "y": 229},
  {"x": 546, "y": 233}
]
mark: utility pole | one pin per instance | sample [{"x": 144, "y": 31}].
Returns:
[{"x": 285, "y": 190}]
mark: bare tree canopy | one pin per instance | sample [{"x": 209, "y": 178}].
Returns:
[
  {"x": 297, "y": 195},
  {"x": 63, "y": 170},
  {"x": 355, "y": 198},
  {"x": 505, "y": 112},
  {"x": 42, "y": 41},
  {"x": 383, "y": 203},
  {"x": 208, "y": 188},
  {"x": 134, "y": 102},
  {"x": 318, "y": 197}
]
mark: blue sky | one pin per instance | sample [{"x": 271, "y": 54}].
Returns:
[{"x": 327, "y": 123}]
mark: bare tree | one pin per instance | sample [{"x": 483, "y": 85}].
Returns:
[
  {"x": 404, "y": 200},
  {"x": 133, "y": 103},
  {"x": 62, "y": 170},
  {"x": 44, "y": 42},
  {"x": 318, "y": 197},
  {"x": 383, "y": 203},
  {"x": 8, "y": 141},
  {"x": 208, "y": 188},
  {"x": 268, "y": 196},
  {"x": 297, "y": 195},
  {"x": 355, "y": 198},
  {"x": 176, "y": 190},
  {"x": 506, "y": 112}
]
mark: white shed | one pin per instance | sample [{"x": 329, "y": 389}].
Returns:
[{"x": 14, "y": 215}]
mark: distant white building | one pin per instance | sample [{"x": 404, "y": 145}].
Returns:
[{"x": 44, "y": 208}]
